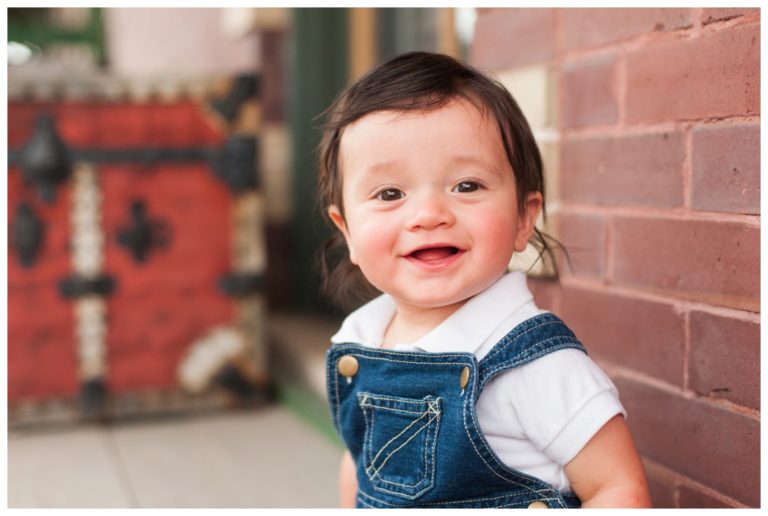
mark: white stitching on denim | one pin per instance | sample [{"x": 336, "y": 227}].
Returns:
[
  {"x": 337, "y": 403},
  {"x": 529, "y": 356},
  {"x": 418, "y": 356},
  {"x": 363, "y": 502},
  {"x": 537, "y": 345},
  {"x": 414, "y": 362},
  {"x": 371, "y": 466},
  {"x": 428, "y": 459},
  {"x": 411, "y": 438},
  {"x": 363, "y": 493},
  {"x": 390, "y": 409},
  {"x": 366, "y": 444},
  {"x": 486, "y": 499},
  {"x": 453, "y": 502},
  {"x": 503, "y": 345},
  {"x": 395, "y": 399},
  {"x": 472, "y": 442},
  {"x": 366, "y": 396},
  {"x": 465, "y": 422},
  {"x": 534, "y": 325},
  {"x": 370, "y": 436}
]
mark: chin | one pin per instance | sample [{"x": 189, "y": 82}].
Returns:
[{"x": 438, "y": 301}]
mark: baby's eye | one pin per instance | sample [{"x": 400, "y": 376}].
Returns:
[
  {"x": 390, "y": 194},
  {"x": 466, "y": 187}
]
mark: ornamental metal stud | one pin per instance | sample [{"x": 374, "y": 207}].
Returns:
[
  {"x": 235, "y": 163},
  {"x": 26, "y": 234},
  {"x": 45, "y": 159},
  {"x": 143, "y": 234}
]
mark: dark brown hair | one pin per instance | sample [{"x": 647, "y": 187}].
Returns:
[{"x": 417, "y": 81}]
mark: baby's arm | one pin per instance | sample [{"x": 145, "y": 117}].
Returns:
[
  {"x": 607, "y": 472},
  {"x": 347, "y": 482}
]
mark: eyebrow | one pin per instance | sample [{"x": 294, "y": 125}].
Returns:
[
  {"x": 383, "y": 166},
  {"x": 472, "y": 160}
]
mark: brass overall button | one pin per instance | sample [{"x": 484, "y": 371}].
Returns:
[
  {"x": 464, "y": 379},
  {"x": 538, "y": 505},
  {"x": 348, "y": 366}
]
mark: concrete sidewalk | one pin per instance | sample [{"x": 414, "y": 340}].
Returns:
[{"x": 264, "y": 457}]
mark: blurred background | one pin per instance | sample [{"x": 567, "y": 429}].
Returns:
[{"x": 165, "y": 327}]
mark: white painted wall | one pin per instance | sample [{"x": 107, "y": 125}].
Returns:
[{"x": 192, "y": 41}]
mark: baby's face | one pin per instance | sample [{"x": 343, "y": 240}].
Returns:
[{"x": 430, "y": 205}]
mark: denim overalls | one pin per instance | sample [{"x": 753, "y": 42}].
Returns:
[{"x": 408, "y": 419}]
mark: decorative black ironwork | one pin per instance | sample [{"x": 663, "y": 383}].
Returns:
[
  {"x": 243, "y": 87},
  {"x": 235, "y": 163},
  {"x": 241, "y": 284},
  {"x": 45, "y": 159},
  {"x": 145, "y": 156},
  {"x": 143, "y": 234},
  {"x": 79, "y": 286},
  {"x": 27, "y": 232}
]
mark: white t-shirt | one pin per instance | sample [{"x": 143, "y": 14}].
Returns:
[{"x": 536, "y": 417}]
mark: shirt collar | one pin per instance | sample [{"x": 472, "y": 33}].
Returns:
[
  {"x": 367, "y": 324},
  {"x": 464, "y": 331}
]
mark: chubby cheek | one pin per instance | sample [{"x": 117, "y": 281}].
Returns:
[
  {"x": 495, "y": 234},
  {"x": 373, "y": 241}
]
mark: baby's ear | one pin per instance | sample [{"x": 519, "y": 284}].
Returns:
[
  {"x": 338, "y": 220},
  {"x": 527, "y": 221}
]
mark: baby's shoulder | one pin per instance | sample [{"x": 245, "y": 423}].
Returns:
[
  {"x": 562, "y": 396},
  {"x": 563, "y": 368}
]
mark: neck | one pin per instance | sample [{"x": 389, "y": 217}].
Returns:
[{"x": 409, "y": 323}]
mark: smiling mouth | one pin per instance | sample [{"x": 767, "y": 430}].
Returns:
[{"x": 434, "y": 254}]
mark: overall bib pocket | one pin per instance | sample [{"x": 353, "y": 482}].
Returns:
[{"x": 400, "y": 442}]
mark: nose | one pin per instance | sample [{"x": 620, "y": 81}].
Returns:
[{"x": 430, "y": 211}]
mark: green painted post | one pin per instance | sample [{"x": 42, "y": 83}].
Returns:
[{"x": 318, "y": 72}]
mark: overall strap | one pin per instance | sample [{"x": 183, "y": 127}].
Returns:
[{"x": 527, "y": 341}]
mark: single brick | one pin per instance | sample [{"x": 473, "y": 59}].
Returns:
[
  {"x": 693, "y": 498},
  {"x": 591, "y": 27},
  {"x": 642, "y": 170},
  {"x": 584, "y": 239},
  {"x": 713, "y": 446},
  {"x": 716, "y": 74},
  {"x": 725, "y": 358},
  {"x": 724, "y": 13},
  {"x": 589, "y": 92},
  {"x": 636, "y": 334},
  {"x": 513, "y": 37},
  {"x": 726, "y": 168},
  {"x": 716, "y": 261}
]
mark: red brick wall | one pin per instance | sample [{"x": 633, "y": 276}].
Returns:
[{"x": 659, "y": 205}]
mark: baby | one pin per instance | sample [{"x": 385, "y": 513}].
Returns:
[{"x": 452, "y": 389}]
